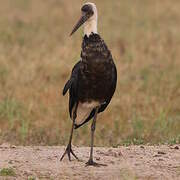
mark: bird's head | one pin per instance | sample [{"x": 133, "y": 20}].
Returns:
[{"x": 88, "y": 18}]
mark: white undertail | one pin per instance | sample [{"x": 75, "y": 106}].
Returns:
[{"x": 84, "y": 110}]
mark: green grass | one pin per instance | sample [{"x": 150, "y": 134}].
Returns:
[
  {"x": 127, "y": 174},
  {"x": 178, "y": 170},
  {"x": 31, "y": 178},
  {"x": 13, "y": 114},
  {"x": 7, "y": 172},
  {"x": 37, "y": 55},
  {"x": 10, "y": 110}
]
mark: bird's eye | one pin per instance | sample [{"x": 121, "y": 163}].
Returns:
[{"x": 87, "y": 9}]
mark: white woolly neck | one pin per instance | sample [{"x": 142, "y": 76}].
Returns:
[{"x": 90, "y": 26}]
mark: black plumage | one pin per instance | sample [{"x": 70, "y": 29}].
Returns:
[{"x": 93, "y": 78}]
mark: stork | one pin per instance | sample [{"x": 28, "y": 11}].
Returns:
[{"x": 93, "y": 79}]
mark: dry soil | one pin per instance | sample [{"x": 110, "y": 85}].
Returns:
[{"x": 132, "y": 162}]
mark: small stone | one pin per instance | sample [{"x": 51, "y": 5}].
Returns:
[
  {"x": 98, "y": 158},
  {"x": 142, "y": 147},
  {"x": 13, "y": 146},
  {"x": 120, "y": 153},
  {"x": 161, "y": 152},
  {"x": 176, "y": 147},
  {"x": 157, "y": 155},
  {"x": 160, "y": 159}
]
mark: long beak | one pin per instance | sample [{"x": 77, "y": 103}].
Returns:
[{"x": 81, "y": 21}]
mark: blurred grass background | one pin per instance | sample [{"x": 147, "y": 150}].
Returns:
[{"x": 37, "y": 55}]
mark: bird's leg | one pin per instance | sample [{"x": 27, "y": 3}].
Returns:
[
  {"x": 93, "y": 127},
  {"x": 69, "y": 150}
]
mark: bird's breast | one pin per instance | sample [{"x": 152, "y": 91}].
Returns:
[
  {"x": 96, "y": 74},
  {"x": 95, "y": 80}
]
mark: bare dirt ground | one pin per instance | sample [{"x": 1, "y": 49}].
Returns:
[{"x": 132, "y": 162}]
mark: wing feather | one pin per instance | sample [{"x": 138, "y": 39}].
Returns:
[{"x": 72, "y": 86}]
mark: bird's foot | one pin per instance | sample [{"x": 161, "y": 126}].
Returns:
[
  {"x": 68, "y": 151},
  {"x": 92, "y": 163}
]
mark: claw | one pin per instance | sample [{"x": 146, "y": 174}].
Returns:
[
  {"x": 69, "y": 151},
  {"x": 92, "y": 163}
]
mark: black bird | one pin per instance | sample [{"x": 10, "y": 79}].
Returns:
[{"x": 93, "y": 79}]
